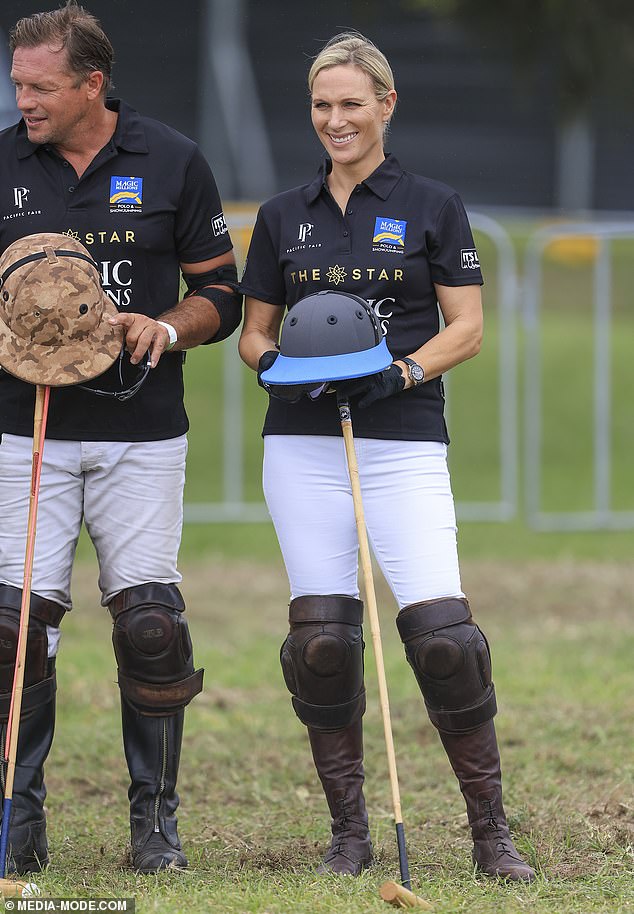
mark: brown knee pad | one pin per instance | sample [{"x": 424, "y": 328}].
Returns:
[
  {"x": 451, "y": 661},
  {"x": 39, "y": 676},
  {"x": 153, "y": 649},
  {"x": 322, "y": 660}
]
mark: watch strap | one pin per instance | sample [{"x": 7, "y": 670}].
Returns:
[{"x": 414, "y": 368}]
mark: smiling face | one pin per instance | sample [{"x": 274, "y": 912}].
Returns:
[
  {"x": 55, "y": 103},
  {"x": 348, "y": 117}
]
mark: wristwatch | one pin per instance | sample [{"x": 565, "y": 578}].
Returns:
[
  {"x": 172, "y": 334},
  {"x": 415, "y": 371}
]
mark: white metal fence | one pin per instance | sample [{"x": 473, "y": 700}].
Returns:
[{"x": 602, "y": 515}]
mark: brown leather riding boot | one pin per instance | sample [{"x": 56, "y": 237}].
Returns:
[
  {"x": 475, "y": 760},
  {"x": 338, "y": 757}
]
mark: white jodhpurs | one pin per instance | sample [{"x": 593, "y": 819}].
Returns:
[
  {"x": 408, "y": 505},
  {"x": 128, "y": 494}
]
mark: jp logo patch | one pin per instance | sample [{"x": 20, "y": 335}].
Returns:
[
  {"x": 469, "y": 259},
  {"x": 126, "y": 194},
  {"x": 389, "y": 234}
]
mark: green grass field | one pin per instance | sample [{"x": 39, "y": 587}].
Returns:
[
  {"x": 557, "y": 609},
  {"x": 253, "y": 819}
]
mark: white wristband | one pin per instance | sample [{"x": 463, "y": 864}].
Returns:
[{"x": 171, "y": 332}]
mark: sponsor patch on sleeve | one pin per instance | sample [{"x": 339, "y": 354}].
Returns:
[
  {"x": 219, "y": 225},
  {"x": 469, "y": 259}
]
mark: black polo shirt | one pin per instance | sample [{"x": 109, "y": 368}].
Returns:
[
  {"x": 400, "y": 234},
  {"x": 146, "y": 203}
]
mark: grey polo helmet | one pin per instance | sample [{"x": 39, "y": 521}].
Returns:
[{"x": 329, "y": 336}]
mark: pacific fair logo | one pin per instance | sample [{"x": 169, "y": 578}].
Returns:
[
  {"x": 305, "y": 228},
  {"x": 20, "y": 195}
]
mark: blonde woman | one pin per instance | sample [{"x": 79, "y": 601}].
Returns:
[{"x": 403, "y": 243}]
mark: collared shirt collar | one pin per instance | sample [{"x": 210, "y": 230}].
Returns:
[
  {"x": 381, "y": 182},
  {"x": 129, "y": 133}
]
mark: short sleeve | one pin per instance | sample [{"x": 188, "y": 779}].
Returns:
[
  {"x": 263, "y": 277},
  {"x": 200, "y": 229},
  {"x": 453, "y": 256}
]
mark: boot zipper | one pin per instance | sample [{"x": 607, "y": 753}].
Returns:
[{"x": 161, "y": 790}]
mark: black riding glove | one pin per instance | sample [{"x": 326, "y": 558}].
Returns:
[
  {"x": 289, "y": 393},
  {"x": 266, "y": 360},
  {"x": 375, "y": 387}
]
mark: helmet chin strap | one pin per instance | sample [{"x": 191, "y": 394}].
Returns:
[
  {"x": 127, "y": 392},
  {"x": 41, "y": 255}
]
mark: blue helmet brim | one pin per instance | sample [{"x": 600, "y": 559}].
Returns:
[{"x": 319, "y": 369}]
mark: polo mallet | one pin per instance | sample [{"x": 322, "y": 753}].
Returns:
[
  {"x": 10, "y": 887},
  {"x": 400, "y": 896}
]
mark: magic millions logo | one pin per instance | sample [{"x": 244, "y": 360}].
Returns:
[
  {"x": 126, "y": 194},
  {"x": 389, "y": 235}
]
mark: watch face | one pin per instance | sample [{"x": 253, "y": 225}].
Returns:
[{"x": 416, "y": 373}]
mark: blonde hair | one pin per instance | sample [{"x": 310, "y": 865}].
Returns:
[{"x": 354, "y": 48}]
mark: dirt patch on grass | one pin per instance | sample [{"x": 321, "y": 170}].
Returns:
[
  {"x": 578, "y": 590},
  {"x": 258, "y": 593}
]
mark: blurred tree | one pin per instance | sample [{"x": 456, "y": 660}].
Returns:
[{"x": 587, "y": 47}]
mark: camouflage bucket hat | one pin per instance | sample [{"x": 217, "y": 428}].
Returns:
[{"x": 53, "y": 312}]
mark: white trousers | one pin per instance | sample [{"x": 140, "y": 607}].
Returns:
[
  {"x": 128, "y": 494},
  {"x": 408, "y": 505}
]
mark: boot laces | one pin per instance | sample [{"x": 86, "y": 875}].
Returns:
[
  {"x": 341, "y": 827},
  {"x": 492, "y": 823}
]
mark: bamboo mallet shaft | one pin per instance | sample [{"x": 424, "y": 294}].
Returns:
[
  {"x": 42, "y": 394},
  {"x": 375, "y": 629},
  {"x": 373, "y": 614}
]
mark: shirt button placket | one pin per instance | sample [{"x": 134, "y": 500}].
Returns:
[{"x": 348, "y": 241}]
